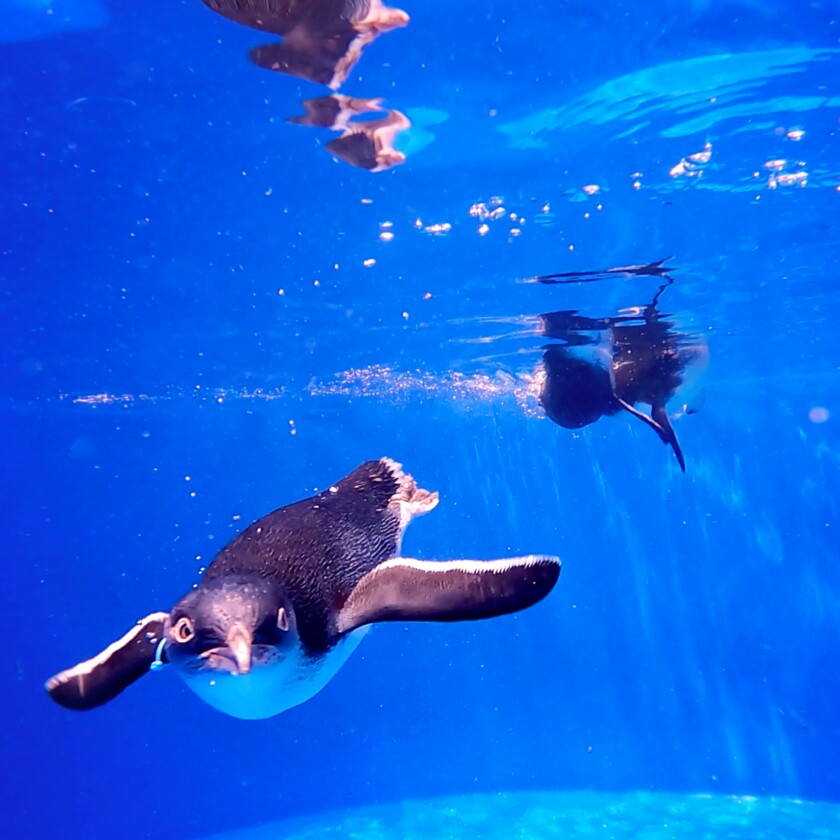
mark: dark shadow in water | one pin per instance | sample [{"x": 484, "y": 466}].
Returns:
[
  {"x": 610, "y": 364},
  {"x": 322, "y": 42}
]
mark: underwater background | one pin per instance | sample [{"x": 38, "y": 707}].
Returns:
[{"x": 208, "y": 314}]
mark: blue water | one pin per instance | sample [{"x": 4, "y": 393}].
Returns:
[{"x": 204, "y": 321}]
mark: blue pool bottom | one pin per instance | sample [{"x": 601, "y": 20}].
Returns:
[{"x": 534, "y": 815}]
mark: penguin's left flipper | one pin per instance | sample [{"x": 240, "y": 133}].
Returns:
[
  {"x": 102, "y": 677},
  {"x": 453, "y": 590}
]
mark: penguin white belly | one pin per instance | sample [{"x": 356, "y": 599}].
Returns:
[{"x": 273, "y": 688}]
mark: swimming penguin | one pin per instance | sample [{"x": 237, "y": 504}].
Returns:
[
  {"x": 606, "y": 365},
  {"x": 285, "y": 603},
  {"x": 647, "y": 367},
  {"x": 627, "y": 363}
]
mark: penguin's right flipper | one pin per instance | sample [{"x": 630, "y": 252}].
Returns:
[
  {"x": 660, "y": 423},
  {"x": 454, "y": 590},
  {"x": 102, "y": 677},
  {"x": 660, "y": 416}
]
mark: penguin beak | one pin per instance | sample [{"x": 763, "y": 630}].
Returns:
[{"x": 239, "y": 641}]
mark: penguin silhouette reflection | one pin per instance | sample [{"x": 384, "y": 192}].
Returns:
[
  {"x": 366, "y": 143},
  {"x": 608, "y": 365},
  {"x": 322, "y": 39}
]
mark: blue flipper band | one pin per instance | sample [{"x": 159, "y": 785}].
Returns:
[{"x": 158, "y": 661}]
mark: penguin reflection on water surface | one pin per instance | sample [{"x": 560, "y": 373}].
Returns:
[
  {"x": 368, "y": 144},
  {"x": 322, "y": 39},
  {"x": 608, "y": 365},
  {"x": 285, "y": 603}
]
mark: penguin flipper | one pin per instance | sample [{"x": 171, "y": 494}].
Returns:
[
  {"x": 453, "y": 590},
  {"x": 102, "y": 677},
  {"x": 660, "y": 423},
  {"x": 668, "y": 434},
  {"x": 642, "y": 416}
]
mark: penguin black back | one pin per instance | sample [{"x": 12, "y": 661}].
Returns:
[{"x": 319, "y": 548}]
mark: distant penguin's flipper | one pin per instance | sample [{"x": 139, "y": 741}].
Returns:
[
  {"x": 97, "y": 680},
  {"x": 668, "y": 434},
  {"x": 642, "y": 416},
  {"x": 659, "y": 422},
  {"x": 454, "y": 590}
]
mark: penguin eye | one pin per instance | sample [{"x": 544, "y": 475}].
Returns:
[{"x": 184, "y": 629}]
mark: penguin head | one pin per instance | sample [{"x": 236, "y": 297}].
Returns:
[{"x": 231, "y": 624}]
